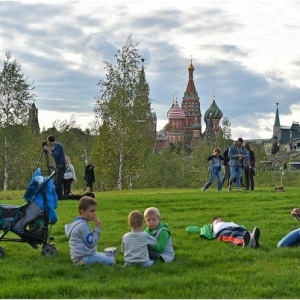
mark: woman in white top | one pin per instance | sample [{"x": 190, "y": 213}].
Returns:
[{"x": 69, "y": 177}]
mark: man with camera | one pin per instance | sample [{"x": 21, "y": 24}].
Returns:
[
  {"x": 236, "y": 154},
  {"x": 56, "y": 150}
]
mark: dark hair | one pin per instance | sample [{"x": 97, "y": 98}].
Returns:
[
  {"x": 240, "y": 140},
  {"x": 215, "y": 218},
  {"x": 135, "y": 219},
  {"x": 51, "y": 138},
  {"x": 247, "y": 146},
  {"x": 85, "y": 202}
]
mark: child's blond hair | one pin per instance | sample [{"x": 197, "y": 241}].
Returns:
[
  {"x": 135, "y": 219},
  {"x": 151, "y": 211},
  {"x": 217, "y": 150}
]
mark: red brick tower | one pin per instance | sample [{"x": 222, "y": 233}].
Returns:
[{"x": 191, "y": 106}]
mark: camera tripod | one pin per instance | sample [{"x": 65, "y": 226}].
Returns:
[{"x": 50, "y": 169}]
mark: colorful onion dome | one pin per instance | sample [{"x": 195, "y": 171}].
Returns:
[
  {"x": 213, "y": 112},
  {"x": 176, "y": 112}
]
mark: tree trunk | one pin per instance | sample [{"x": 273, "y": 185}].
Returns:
[
  {"x": 5, "y": 177},
  {"x": 121, "y": 164}
]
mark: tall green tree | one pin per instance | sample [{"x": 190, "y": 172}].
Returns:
[
  {"x": 226, "y": 128},
  {"x": 16, "y": 96},
  {"x": 123, "y": 106},
  {"x": 16, "y": 93}
]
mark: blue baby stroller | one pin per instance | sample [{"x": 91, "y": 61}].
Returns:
[{"x": 32, "y": 221}]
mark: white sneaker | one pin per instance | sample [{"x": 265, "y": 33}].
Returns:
[
  {"x": 254, "y": 238},
  {"x": 203, "y": 189}
]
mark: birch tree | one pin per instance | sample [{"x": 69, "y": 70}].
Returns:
[
  {"x": 123, "y": 106},
  {"x": 16, "y": 97}
]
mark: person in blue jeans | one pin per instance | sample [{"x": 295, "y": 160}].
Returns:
[
  {"x": 237, "y": 152},
  {"x": 83, "y": 239},
  {"x": 215, "y": 169},
  {"x": 292, "y": 238},
  {"x": 56, "y": 150}
]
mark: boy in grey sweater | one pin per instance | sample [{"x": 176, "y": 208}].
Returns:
[
  {"x": 82, "y": 239},
  {"x": 134, "y": 244}
]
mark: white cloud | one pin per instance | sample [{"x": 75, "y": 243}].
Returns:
[{"x": 244, "y": 50}]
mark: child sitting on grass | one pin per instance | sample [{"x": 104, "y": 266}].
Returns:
[
  {"x": 163, "y": 250},
  {"x": 82, "y": 239},
  {"x": 134, "y": 243}
]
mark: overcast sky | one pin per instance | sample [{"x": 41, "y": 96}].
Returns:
[{"x": 246, "y": 53}]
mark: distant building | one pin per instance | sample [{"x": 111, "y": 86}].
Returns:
[
  {"x": 185, "y": 120},
  {"x": 286, "y": 137},
  {"x": 33, "y": 121}
]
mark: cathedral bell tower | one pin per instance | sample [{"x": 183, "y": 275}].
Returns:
[{"x": 33, "y": 121}]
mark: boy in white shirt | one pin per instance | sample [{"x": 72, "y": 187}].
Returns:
[{"x": 235, "y": 234}]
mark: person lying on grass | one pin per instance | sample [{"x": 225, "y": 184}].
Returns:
[
  {"x": 229, "y": 232},
  {"x": 234, "y": 233},
  {"x": 163, "y": 250},
  {"x": 134, "y": 243},
  {"x": 293, "y": 237},
  {"x": 82, "y": 239}
]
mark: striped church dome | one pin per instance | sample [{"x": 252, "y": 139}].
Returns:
[{"x": 176, "y": 112}]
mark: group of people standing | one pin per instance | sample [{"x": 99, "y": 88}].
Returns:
[
  {"x": 236, "y": 160},
  {"x": 64, "y": 170}
]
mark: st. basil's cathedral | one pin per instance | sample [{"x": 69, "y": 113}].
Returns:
[{"x": 185, "y": 122}]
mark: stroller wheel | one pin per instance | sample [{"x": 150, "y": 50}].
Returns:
[
  {"x": 2, "y": 252},
  {"x": 48, "y": 250}
]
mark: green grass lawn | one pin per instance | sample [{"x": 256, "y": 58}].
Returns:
[{"x": 202, "y": 268}]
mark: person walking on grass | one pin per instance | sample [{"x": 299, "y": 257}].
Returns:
[
  {"x": 236, "y": 153},
  {"x": 215, "y": 169},
  {"x": 134, "y": 243}
]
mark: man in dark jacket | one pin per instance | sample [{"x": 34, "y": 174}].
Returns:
[
  {"x": 89, "y": 176},
  {"x": 226, "y": 167},
  {"x": 56, "y": 150}
]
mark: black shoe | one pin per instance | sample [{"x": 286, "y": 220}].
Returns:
[
  {"x": 254, "y": 238},
  {"x": 247, "y": 238}
]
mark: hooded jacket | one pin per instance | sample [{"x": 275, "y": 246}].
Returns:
[{"x": 82, "y": 239}]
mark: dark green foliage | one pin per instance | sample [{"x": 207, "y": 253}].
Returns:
[{"x": 275, "y": 148}]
